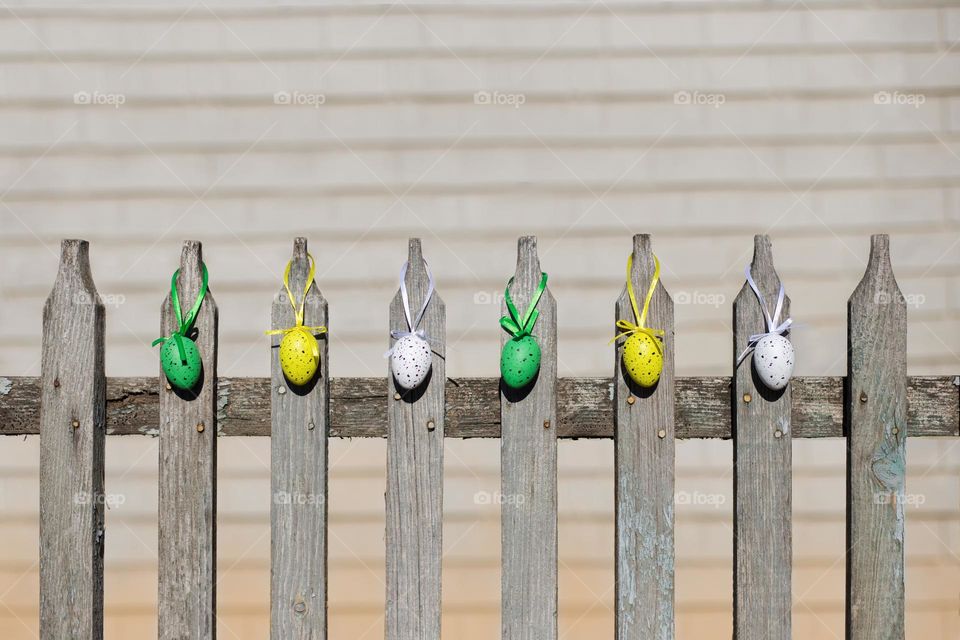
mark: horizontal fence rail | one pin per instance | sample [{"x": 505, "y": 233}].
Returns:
[
  {"x": 585, "y": 407},
  {"x": 73, "y": 406}
]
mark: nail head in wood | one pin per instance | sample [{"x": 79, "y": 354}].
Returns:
[
  {"x": 76, "y": 424},
  {"x": 546, "y": 424},
  {"x": 863, "y": 396},
  {"x": 200, "y": 427},
  {"x": 281, "y": 389},
  {"x": 778, "y": 434},
  {"x": 311, "y": 426},
  {"x": 631, "y": 399},
  {"x": 396, "y": 396},
  {"x": 747, "y": 398},
  {"x": 431, "y": 425},
  {"x": 662, "y": 433}
]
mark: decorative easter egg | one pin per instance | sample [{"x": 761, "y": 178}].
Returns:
[
  {"x": 182, "y": 374},
  {"x": 299, "y": 356},
  {"x": 642, "y": 359},
  {"x": 773, "y": 361},
  {"x": 410, "y": 361},
  {"x": 519, "y": 361}
]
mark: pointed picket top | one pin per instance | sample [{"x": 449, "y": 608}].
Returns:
[
  {"x": 876, "y": 410},
  {"x": 644, "y": 469},
  {"x": 72, "y": 434}
]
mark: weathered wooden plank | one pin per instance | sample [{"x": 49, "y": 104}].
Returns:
[
  {"x": 876, "y": 456},
  {"x": 414, "y": 492},
  {"x": 762, "y": 472},
  {"x": 72, "y": 416},
  {"x": 528, "y": 472},
  {"x": 188, "y": 474},
  {"x": 584, "y": 407},
  {"x": 644, "y": 471},
  {"x": 298, "y": 473}
]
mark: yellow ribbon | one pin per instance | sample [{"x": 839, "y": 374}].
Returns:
[
  {"x": 628, "y": 328},
  {"x": 298, "y": 311}
]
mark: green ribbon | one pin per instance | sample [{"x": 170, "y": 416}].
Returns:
[
  {"x": 513, "y": 323},
  {"x": 184, "y": 324}
]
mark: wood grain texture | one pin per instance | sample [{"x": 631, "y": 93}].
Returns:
[
  {"x": 584, "y": 407},
  {"x": 298, "y": 472},
  {"x": 762, "y": 459},
  {"x": 414, "y": 494},
  {"x": 876, "y": 456},
  {"x": 72, "y": 429},
  {"x": 188, "y": 474},
  {"x": 643, "y": 468},
  {"x": 528, "y": 472}
]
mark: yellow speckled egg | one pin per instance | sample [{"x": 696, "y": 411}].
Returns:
[
  {"x": 299, "y": 356},
  {"x": 642, "y": 359}
]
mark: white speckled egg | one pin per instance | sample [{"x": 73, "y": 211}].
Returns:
[
  {"x": 410, "y": 361},
  {"x": 773, "y": 361}
]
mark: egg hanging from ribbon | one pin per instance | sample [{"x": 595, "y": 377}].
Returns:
[
  {"x": 182, "y": 373},
  {"x": 643, "y": 359},
  {"x": 410, "y": 361},
  {"x": 773, "y": 361},
  {"x": 519, "y": 361},
  {"x": 299, "y": 356}
]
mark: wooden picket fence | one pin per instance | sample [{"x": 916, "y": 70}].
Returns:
[{"x": 73, "y": 406}]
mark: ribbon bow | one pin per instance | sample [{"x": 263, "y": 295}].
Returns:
[
  {"x": 517, "y": 326},
  {"x": 412, "y": 329},
  {"x": 298, "y": 310},
  {"x": 773, "y": 329},
  {"x": 183, "y": 324},
  {"x": 628, "y": 328}
]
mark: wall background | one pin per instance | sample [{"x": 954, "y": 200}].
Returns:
[{"x": 820, "y": 122}]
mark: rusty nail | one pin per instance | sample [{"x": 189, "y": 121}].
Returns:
[
  {"x": 430, "y": 425},
  {"x": 546, "y": 424},
  {"x": 778, "y": 434},
  {"x": 200, "y": 427},
  {"x": 631, "y": 399},
  {"x": 747, "y": 398},
  {"x": 311, "y": 426},
  {"x": 863, "y": 396},
  {"x": 662, "y": 433},
  {"x": 76, "y": 424},
  {"x": 56, "y": 383},
  {"x": 396, "y": 396}
]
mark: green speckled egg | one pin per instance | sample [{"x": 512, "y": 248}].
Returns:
[
  {"x": 519, "y": 361},
  {"x": 642, "y": 359},
  {"x": 299, "y": 356},
  {"x": 181, "y": 374}
]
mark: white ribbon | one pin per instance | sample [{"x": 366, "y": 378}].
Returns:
[
  {"x": 773, "y": 329},
  {"x": 411, "y": 324}
]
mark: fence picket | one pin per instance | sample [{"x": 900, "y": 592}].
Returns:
[
  {"x": 72, "y": 417},
  {"x": 414, "y": 495},
  {"x": 644, "y": 469},
  {"x": 188, "y": 474},
  {"x": 528, "y": 463},
  {"x": 876, "y": 403},
  {"x": 762, "y": 459},
  {"x": 298, "y": 473}
]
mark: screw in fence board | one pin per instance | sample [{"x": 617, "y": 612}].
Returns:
[
  {"x": 644, "y": 469},
  {"x": 188, "y": 473},
  {"x": 876, "y": 407},
  {"x": 414, "y": 492},
  {"x": 298, "y": 473},
  {"x": 72, "y": 430},
  {"x": 762, "y": 459},
  {"x": 528, "y": 469}
]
